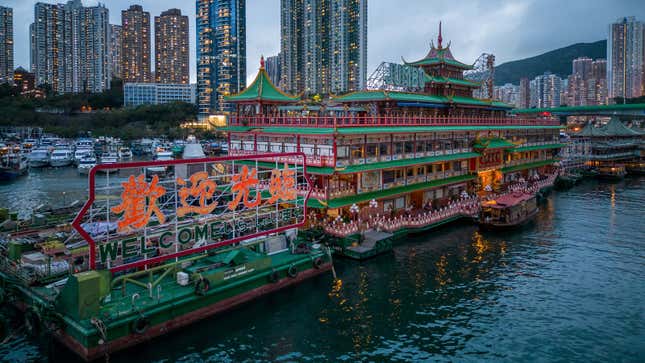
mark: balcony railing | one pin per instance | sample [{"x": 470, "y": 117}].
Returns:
[{"x": 369, "y": 121}]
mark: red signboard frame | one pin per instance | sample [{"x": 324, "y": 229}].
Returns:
[{"x": 77, "y": 222}]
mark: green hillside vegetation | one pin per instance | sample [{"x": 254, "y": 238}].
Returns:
[{"x": 556, "y": 61}]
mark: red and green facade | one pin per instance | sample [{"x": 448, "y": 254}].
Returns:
[{"x": 402, "y": 149}]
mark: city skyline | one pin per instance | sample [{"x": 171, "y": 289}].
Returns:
[{"x": 473, "y": 26}]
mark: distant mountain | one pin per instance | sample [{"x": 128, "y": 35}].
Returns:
[{"x": 556, "y": 61}]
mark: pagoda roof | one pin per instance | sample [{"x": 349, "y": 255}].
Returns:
[
  {"x": 262, "y": 89},
  {"x": 438, "y": 56},
  {"x": 382, "y": 95},
  {"x": 613, "y": 128},
  {"x": 616, "y": 128},
  {"x": 461, "y": 82}
]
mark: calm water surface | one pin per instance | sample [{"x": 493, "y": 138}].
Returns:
[{"x": 570, "y": 287}]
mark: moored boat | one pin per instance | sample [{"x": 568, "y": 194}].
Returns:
[
  {"x": 125, "y": 154},
  {"x": 39, "y": 158},
  {"x": 611, "y": 172},
  {"x": 161, "y": 155},
  {"x": 509, "y": 210},
  {"x": 12, "y": 165},
  {"x": 61, "y": 157},
  {"x": 108, "y": 158},
  {"x": 86, "y": 164}
]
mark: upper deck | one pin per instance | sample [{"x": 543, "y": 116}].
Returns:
[{"x": 381, "y": 121}]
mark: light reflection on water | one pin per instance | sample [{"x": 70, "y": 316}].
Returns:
[{"x": 568, "y": 287}]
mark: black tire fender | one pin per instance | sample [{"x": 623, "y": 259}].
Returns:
[
  {"x": 318, "y": 262},
  {"x": 140, "y": 325},
  {"x": 274, "y": 276},
  {"x": 292, "y": 271}
]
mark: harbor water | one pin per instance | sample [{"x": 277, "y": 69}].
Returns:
[{"x": 568, "y": 287}]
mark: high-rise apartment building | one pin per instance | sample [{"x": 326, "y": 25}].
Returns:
[
  {"x": 626, "y": 58},
  {"x": 171, "y": 48},
  {"x": 273, "y": 68},
  {"x": 546, "y": 90},
  {"x": 6, "y": 45},
  {"x": 583, "y": 67},
  {"x": 115, "y": 51},
  {"x": 599, "y": 69},
  {"x": 221, "y": 53},
  {"x": 323, "y": 45},
  {"x": 525, "y": 94},
  {"x": 69, "y": 47},
  {"x": 135, "y": 40}
]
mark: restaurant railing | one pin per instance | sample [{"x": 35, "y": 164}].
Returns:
[{"x": 371, "y": 121}]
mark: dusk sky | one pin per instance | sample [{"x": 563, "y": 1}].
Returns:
[{"x": 509, "y": 29}]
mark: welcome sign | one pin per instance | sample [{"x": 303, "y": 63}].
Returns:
[{"x": 144, "y": 213}]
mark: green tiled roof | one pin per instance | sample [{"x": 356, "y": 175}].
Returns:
[
  {"x": 262, "y": 89},
  {"x": 536, "y": 164},
  {"x": 379, "y": 194},
  {"x": 439, "y": 60},
  {"x": 493, "y": 143},
  {"x": 462, "y": 82},
  {"x": 538, "y": 147},
  {"x": 371, "y": 95},
  {"x": 404, "y": 162}
]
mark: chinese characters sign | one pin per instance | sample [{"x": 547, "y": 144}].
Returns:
[{"x": 137, "y": 215}]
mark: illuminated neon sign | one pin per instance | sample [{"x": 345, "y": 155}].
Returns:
[{"x": 144, "y": 213}]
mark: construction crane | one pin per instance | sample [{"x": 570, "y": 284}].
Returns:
[{"x": 483, "y": 72}]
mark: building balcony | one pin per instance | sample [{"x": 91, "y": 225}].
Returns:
[{"x": 382, "y": 121}]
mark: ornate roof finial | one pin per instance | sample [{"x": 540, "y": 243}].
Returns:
[
  {"x": 261, "y": 62},
  {"x": 439, "y": 39}
]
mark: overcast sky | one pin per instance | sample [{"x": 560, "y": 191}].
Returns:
[{"x": 511, "y": 30}]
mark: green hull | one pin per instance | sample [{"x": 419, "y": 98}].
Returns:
[{"x": 95, "y": 314}]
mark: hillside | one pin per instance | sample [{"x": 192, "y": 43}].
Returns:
[{"x": 556, "y": 61}]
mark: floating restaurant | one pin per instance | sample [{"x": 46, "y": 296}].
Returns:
[{"x": 395, "y": 153}]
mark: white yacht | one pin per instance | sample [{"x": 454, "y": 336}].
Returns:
[
  {"x": 125, "y": 154},
  {"x": 161, "y": 155},
  {"x": 85, "y": 164},
  {"x": 109, "y": 158},
  {"x": 80, "y": 153},
  {"x": 39, "y": 158},
  {"x": 61, "y": 157}
]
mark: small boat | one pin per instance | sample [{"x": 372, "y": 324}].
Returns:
[
  {"x": 508, "y": 211},
  {"x": 161, "y": 155},
  {"x": 109, "y": 158},
  {"x": 125, "y": 154},
  {"x": 39, "y": 158},
  {"x": 12, "y": 165},
  {"x": 61, "y": 157},
  {"x": 86, "y": 164},
  {"x": 81, "y": 153},
  {"x": 612, "y": 172}
]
